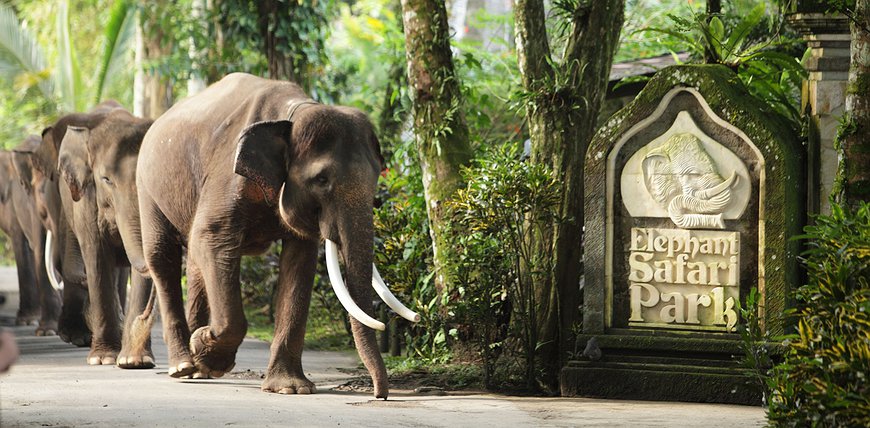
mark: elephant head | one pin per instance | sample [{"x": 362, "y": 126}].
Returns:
[
  {"x": 102, "y": 159},
  {"x": 322, "y": 170},
  {"x": 681, "y": 176}
]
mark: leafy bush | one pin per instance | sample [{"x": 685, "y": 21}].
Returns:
[
  {"x": 404, "y": 255},
  {"x": 506, "y": 200},
  {"x": 823, "y": 379},
  {"x": 755, "y": 44}
]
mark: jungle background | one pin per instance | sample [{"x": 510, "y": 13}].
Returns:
[{"x": 475, "y": 88}]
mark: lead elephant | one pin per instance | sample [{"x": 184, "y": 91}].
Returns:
[
  {"x": 95, "y": 154},
  {"x": 232, "y": 169}
]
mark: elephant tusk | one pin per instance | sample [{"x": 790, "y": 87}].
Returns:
[
  {"x": 390, "y": 299},
  {"x": 341, "y": 290},
  {"x": 719, "y": 188},
  {"x": 49, "y": 264}
]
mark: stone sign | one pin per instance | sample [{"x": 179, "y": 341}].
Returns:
[{"x": 692, "y": 194}]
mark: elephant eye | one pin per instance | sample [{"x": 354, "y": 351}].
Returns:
[
  {"x": 321, "y": 179},
  {"x": 106, "y": 180}
]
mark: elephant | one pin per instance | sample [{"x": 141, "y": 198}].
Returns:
[
  {"x": 682, "y": 177},
  {"x": 246, "y": 162},
  {"x": 39, "y": 300},
  {"x": 30, "y": 215},
  {"x": 97, "y": 216}
]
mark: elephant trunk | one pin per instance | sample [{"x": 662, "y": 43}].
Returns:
[
  {"x": 130, "y": 228},
  {"x": 357, "y": 249}
]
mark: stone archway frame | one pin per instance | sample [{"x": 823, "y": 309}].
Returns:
[
  {"x": 782, "y": 211},
  {"x": 612, "y": 182}
]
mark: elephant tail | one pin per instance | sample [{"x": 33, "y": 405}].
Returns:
[{"x": 149, "y": 307}]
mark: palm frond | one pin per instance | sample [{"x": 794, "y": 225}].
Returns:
[
  {"x": 117, "y": 35},
  {"x": 21, "y": 58},
  {"x": 68, "y": 72}
]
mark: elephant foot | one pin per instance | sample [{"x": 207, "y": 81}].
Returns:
[
  {"x": 287, "y": 384},
  {"x": 74, "y": 330},
  {"x": 136, "y": 345},
  {"x": 210, "y": 357},
  {"x": 47, "y": 328},
  {"x": 138, "y": 360},
  {"x": 23, "y": 319},
  {"x": 102, "y": 358},
  {"x": 183, "y": 369}
]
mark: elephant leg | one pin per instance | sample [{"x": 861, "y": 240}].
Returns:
[
  {"x": 28, "y": 294},
  {"x": 104, "y": 311},
  {"x": 214, "y": 346},
  {"x": 197, "y": 301},
  {"x": 71, "y": 325},
  {"x": 293, "y": 296},
  {"x": 162, "y": 253},
  {"x": 48, "y": 296},
  {"x": 136, "y": 343}
]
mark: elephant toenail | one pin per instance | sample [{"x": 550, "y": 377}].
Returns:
[{"x": 94, "y": 361}]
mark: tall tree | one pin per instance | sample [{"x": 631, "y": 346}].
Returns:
[
  {"x": 439, "y": 118},
  {"x": 854, "y": 139},
  {"x": 564, "y": 95},
  {"x": 152, "y": 90}
]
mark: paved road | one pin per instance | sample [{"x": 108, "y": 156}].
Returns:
[{"x": 52, "y": 386}]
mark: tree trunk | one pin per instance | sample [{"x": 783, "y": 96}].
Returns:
[
  {"x": 280, "y": 66},
  {"x": 439, "y": 118},
  {"x": 854, "y": 147},
  {"x": 561, "y": 120},
  {"x": 152, "y": 94}
]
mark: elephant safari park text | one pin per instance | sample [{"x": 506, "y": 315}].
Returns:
[{"x": 684, "y": 278}]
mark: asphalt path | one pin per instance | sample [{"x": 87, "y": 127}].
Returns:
[{"x": 52, "y": 386}]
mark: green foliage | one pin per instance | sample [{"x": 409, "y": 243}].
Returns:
[
  {"x": 404, "y": 257},
  {"x": 448, "y": 376},
  {"x": 505, "y": 201},
  {"x": 756, "y": 343},
  {"x": 823, "y": 378},
  {"x": 640, "y": 15},
  {"x": 258, "y": 276},
  {"x": 39, "y": 81},
  {"x": 22, "y": 59},
  {"x": 118, "y": 33},
  {"x": 754, "y": 44}
]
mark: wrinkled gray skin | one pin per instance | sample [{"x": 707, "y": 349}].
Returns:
[
  {"x": 95, "y": 183},
  {"x": 299, "y": 182},
  {"x": 20, "y": 219}
]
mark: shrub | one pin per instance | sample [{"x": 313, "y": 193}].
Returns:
[
  {"x": 404, "y": 255},
  {"x": 823, "y": 378},
  {"x": 504, "y": 203}
]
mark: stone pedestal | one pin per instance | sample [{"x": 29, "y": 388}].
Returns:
[
  {"x": 693, "y": 192},
  {"x": 823, "y": 97}
]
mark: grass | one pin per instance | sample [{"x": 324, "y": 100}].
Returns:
[
  {"x": 325, "y": 330},
  {"x": 411, "y": 372}
]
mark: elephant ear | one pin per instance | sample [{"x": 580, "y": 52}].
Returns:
[
  {"x": 73, "y": 162},
  {"x": 21, "y": 161},
  {"x": 261, "y": 155},
  {"x": 657, "y": 176},
  {"x": 44, "y": 157}
]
